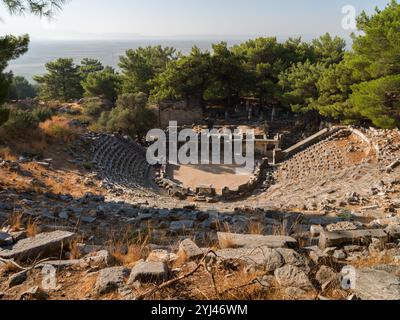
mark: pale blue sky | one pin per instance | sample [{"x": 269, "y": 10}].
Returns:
[{"x": 83, "y": 19}]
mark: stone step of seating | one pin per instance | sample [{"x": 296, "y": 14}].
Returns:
[{"x": 122, "y": 162}]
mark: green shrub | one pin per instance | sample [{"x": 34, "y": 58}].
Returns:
[
  {"x": 20, "y": 122},
  {"x": 94, "y": 107},
  {"x": 104, "y": 118},
  {"x": 88, "y": 165},
  {"x": 4, "y": 115},
  {"x": 42, "y": 113}
]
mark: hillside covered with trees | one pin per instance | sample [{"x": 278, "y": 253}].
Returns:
[{"x": 359, "y": 86}]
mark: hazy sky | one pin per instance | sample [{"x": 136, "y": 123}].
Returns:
[{"x": 166, "y": 18}]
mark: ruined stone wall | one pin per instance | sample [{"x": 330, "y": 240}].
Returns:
[{"x": 185, "y": 113}]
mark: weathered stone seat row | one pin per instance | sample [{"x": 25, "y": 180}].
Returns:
[
  {"x": 121, "y": 162},
  {"x": 318, "y": 159}
]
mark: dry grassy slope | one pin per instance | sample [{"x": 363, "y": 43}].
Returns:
[{"x": 62, "y": 177}]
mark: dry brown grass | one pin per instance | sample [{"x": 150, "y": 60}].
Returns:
[
  {"x": 15, "y": 221},
  {"x": 74, "y": 250},
  {"x": 238, "y": 286},
  {"x": 336, "y": 294},
  {"x": 62, "y": 178},
  {"x": 279, "y": 230},
  {"x": 373, "y": 260},
  {"x": 128, "y": 250},
  {"x": 285, "y": 228},
  {"x": 7, "y": 154},
  {"x": 217, "y": 284},
  {"x": 8, "y": 268},
  {"x": 226, "y": 241},
  {"x": 129, "y": 256},
  {"x": 58, "y": 128},
  {"x": 68, "y": 184},
  {"x": 33, "y": 142},
  {"x": 36, "y": 145},
  {"x": 31, "y": 228},
  {"x": 243, "y": 285},
  {"x": 255, "y": 228},
  {"x": 182, "y": 259},
  {"x": 80, "y": 286}
]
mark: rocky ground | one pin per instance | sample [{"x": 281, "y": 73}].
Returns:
[{"x": 331, "y": 233}]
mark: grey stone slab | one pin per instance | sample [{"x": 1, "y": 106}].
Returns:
[
  {"x": 5, "y": 239},
  {"x": 291, "y": 276},
  {"x": 294, "y": 258},
  {"x": 393, "y": 231},
  {"x": 40, "y": 246},
  {"x": 340, "y": 238},
  {"x": 376, "y": 285},
  {"x": 17, "y": 279},
  {"x": 263, "y": 258},
  {"x": 190, "y": 249},
  {"x": 61, "y": 264},
  {"x": 149, "y": 272},
  {"x": 181, "y": 226},
  {"x": 326, "y": 275},
  {"x": 232, "y": 240},
  {"x": 111, "y": 279}
]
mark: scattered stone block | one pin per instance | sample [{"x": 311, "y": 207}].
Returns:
[
  {"x": 61, "y": 264},
  {"x": 190, "y": 250},
  {"x": 326, "y": 276},
  {"x": 263, "y": 258},
  {"x": 339, "y": 255},
  {"x": 111, "y": 279},
  {"x": 294, "y": 258},
  {"x": 205, "y": 190},
  {"x": 291, "y": 276},
  {"x": 266, "y": 282},
  {"x": 5, "y": 239},
  {"x": 343, "y": 226},
  {"x": 179, "y": 227},
  {"x": 160, "y": 255},
  {"x": 149, "y": 272},
  {"x": 34, "y": 293},
  {"x": 40, "y": 246},
  {"x": 17, "y": 279},
  {"x": 273, "y": 260},
  {"x": 85, "y": 249},
  {"x": 232, "y": 240},
  {"x": 317, "y": 255},
  {"x": 18, "y": 235},
  {"x": 88, "y": 219},
  {"x": 393, "y": 165},
  {"x": 315, "y": 230},
  {"x": 393, "y": 232},
  {"x": 339, "y": 238},
  {"x": 102, "y": 257},
  {"x": 352, "y": 248},
  {"x": 373, "y": 284}
]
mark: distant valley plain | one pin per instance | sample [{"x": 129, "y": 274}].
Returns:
[{"x": 108, "y": 52}]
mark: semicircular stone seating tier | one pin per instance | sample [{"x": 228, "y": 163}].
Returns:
[
  {"x": 321, "y": 158},
  {"x": 122, "y": 162}
]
